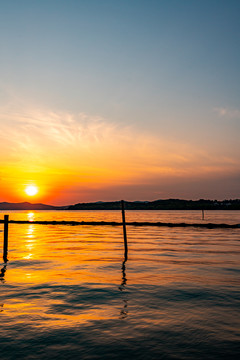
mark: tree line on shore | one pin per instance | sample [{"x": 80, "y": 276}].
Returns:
[{"x": 169, "y": 204}]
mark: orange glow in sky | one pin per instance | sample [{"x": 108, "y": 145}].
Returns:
[
  {"x": 64, "y": 159},
  {"x": 149, "y": 108}
]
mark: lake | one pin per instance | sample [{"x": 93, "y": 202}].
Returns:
[{"x": 68, "y": 293}]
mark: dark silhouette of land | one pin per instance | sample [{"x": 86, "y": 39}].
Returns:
[
  {"x": 28, "y": 206},
  {"x": 169, "y": 204}
]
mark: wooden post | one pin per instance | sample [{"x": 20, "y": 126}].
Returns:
[
  {"x": 124, "y": 230},
  {"x": 202, "y": 214},
  {"x": 5, "y": 241}
]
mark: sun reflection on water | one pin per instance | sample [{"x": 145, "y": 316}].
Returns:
[
  {"x": 30, "y": 241},
  {"x": 30, "y": 231},
  {"x": 27, "y": 257},
  {"x": 31, "y": 216}
]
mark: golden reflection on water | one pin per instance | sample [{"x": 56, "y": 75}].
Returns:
[
  {"x": 61, "y": 256},
  {"x": 48, "y": 265},
  {"x": 31, "y": 216},
  {"x": 212, "y": 216}
]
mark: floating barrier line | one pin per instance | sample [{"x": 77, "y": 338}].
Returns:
[{"x": 114, "y": 223}]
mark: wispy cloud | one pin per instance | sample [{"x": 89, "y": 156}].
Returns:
[
  {"x": 228, "y": 113},
  {"x": 35, "y": 133},
  {"x": 85, "y": 149}
]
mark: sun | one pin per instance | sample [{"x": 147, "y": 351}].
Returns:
[{"x": 31, "y": 190}]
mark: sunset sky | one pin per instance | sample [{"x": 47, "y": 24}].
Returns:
[{"x": 109, "y": 99}]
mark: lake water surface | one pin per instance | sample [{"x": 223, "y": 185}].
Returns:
[{"x": 67, "y": 293}]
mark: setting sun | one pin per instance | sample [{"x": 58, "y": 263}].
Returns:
[{"x": 31, "y": 190}]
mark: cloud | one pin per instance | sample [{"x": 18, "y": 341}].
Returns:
[
  {"x": 82, "y": 151},
  {"x": 81, "y": 140},
  {"x": 33, "y": 134},
  {"x": 228, "y": 113}
]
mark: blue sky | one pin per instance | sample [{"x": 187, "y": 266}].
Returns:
[{"x": 165, "y": 70}]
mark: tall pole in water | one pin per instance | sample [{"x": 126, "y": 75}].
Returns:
[
  {"x": 124, "y": 230},
  {"x": 5, "y": 241}
]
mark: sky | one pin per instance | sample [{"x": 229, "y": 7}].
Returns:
[{"x": 103, "y": 100}]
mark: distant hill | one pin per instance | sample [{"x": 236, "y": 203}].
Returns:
[
  {"x": 27, "y": 206},
  {"x": 170, "y": 204}
]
